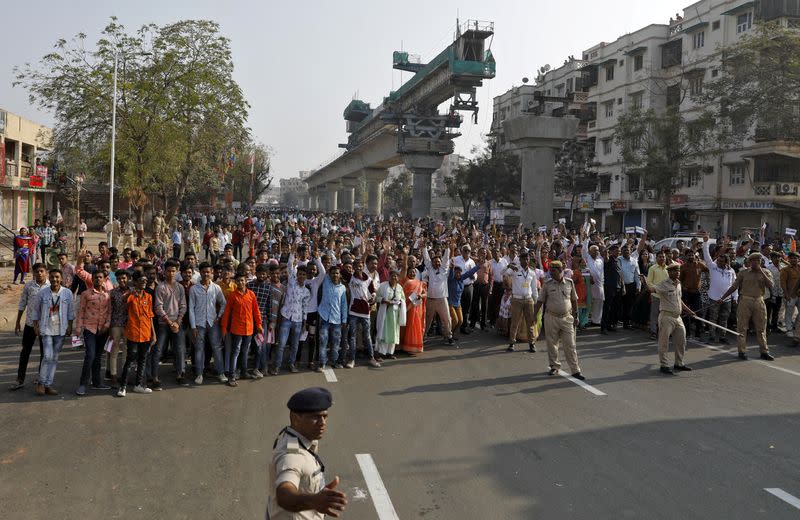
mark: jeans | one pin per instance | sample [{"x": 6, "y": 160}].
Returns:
[
  {"x": 365, "y": 338},
  {"x": 232, "y": 349},
  {"x": 611, "y": 308},
  {"x": 176, "y": 342},
  {"x": 28, "y": 339},
  {"x": 93, "y": 357},
  {"x": 466, "y": 304},
  {"x": 480, "y": 299},
  {"x": 265, "y": 349},
  {"x": 718, "y": 313},
  {"x": 293, "y": 327},
  {"x": 139, "y": 351},
  {"x": 693, "y": 301},
  {"x": 51, "y": 345},
  {"x": 494, "y": 302},
  {"x": 212, "y": 335},
  {"x": 334, "y": 331},
  {"x": 773, "y": 309}
]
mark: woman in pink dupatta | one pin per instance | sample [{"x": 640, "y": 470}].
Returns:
[{"x": 416, "y": 292}]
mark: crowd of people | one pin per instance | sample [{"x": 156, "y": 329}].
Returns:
[{"x": 244, "y": 296}]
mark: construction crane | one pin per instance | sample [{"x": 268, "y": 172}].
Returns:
[{"x": 412, "y": 110}]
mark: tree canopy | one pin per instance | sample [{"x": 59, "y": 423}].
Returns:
[{"x": 180, "y": 114}]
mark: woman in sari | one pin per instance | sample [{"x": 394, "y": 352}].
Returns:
[
  {"x": 415, "y": 291},
  {"x": 391, "y": 316},
  {"x": 23, "y": 248}
]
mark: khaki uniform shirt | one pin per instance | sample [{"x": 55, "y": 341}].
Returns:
[
  {"x": 669, "y": 294},
  {"x": 294, "y": 460},
  {"x": 790, "y": 276},
  {"x": 751, "y": 283},
  {"x": 559, "y": 296}
]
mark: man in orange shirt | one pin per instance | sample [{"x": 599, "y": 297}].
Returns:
[
  {"x": 139, "y": 332},
  {"x": 241, "y": 318}
]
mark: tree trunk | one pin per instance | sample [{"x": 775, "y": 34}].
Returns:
[{"x": 668, "y": 215}]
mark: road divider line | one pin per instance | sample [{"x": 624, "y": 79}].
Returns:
[
  {"x": 330, "y": 375},
  {"x": 735, "y": 352},
  {"x": 380, "y": 497},
  {"x": 586, "y": 386},
  {"x": 783, "y": 495}
]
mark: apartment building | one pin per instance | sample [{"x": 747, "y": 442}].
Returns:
[
  {"x": 665, "y": 65},
  {"x": 23, "y": 180}
]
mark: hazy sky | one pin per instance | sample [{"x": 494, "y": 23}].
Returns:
[{"x": 300, "y": 63}]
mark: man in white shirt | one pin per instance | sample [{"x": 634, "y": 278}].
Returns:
[
  {"x": 523, "y": 295},
  {"x": 496, "y": 295},
  {"x": 595, "y": 264},
  {"x": 436, "y": 271},
  {"x": 465, "y": 263},
  {"x": 720, "y": 277}
]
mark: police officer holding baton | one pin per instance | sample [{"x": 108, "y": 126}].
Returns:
[{"x": 297, "y": 488}]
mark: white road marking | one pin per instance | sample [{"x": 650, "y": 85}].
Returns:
[
  {"x": 783, "y": 495},
  {"x": 380, "y": 497},
  {"x": 734, "y": 352},
  {"x": 330, "y": 375},
  {"x": 589, "y": 388}
]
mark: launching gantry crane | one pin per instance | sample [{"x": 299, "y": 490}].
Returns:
[{"x": 412, "y": 110}]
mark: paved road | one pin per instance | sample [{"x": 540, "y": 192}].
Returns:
[{"x": 455, "y": 434}]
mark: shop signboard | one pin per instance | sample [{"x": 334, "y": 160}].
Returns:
[{"x": 747, "y": 204}]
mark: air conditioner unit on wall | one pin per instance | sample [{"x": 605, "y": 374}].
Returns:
[
  {"x": 637, "y": 195},
  {"x": 532, "y": 104},
  {"x": 785, "y": 189},
  {"x": 651, "y": 194}
]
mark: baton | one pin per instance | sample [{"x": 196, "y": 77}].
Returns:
[{"x": 717, "y": 326}]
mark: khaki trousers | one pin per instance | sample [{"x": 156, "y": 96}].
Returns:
[
  {"x": 755, "y": 309},
  {"x": 522, "y": 310},
  {"x": 560, "y": 331},
  {"x": 119, "y": 347},
  {"x": 438, "y": 306},
  {"x": 671, "y": 324}
]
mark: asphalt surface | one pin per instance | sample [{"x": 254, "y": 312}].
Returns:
[{"x": 461, "y": 433}]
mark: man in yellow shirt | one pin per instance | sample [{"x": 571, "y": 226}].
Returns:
[{"x": 655, "y": 275}]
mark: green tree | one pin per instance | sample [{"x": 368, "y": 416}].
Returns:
[
  {"x": 659, "y": 146},
  {"x": 575, "y": 171},
  {"x": 178, "y": 108},
  {"x": 397, "y": 193},
  {"x": 249, "y": 185},
  {"x": 756, "y": 97}
]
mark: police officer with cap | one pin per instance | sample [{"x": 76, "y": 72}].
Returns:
[
  {"x": 297, "y": 488},
  {"x": 669, "y": 320}
]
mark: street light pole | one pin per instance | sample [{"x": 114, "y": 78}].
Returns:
[{"x": 113, "y": 151}]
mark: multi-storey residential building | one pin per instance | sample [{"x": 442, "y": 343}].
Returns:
[
  {"x": 294, "y": 189},
  {"x": 667, "y": 65},
  {"x": 23, "y": 181}
]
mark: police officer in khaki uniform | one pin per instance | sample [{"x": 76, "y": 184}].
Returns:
[
  {"x": 751, "y": 284},
  {"x": 297, "y": 488},
  {"x": 560, "y": 319},
  {"x": 669, "y": 320}
]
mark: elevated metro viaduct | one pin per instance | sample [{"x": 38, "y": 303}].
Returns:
[{"x": 407, "y": 127}]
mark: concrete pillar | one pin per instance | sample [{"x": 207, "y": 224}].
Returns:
[
  {"x": 536, "y": 138},
  {"x": 332, "y": 192},
  {"x": 422, "y": 168},
  {"x": 348, "y": 194},
  {"x": 375, "y": 179}
]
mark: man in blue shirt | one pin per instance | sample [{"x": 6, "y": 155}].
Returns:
[
  {"x": 332, "y": 317},
  {"x": 631, "y": 278}
]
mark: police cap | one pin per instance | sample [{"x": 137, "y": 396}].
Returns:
[
  {"x": 754, "y": 256},
  {"x": 313, "y": 399},
  {"x": 673, "y": 265},
  {"x": 557, "y": 264}
]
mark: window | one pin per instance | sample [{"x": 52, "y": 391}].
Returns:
[
  {"x": 609, "y": 105},
  {"x": 621, "y": 63},
  {"x": 637, "y": 100},
  {"x": 610, "y": 73},
  {"x": 634, "y": 182},
  {"x": 569, "y": 84},
  {"x": 619, "y": 101},
  {"x": 693, "y": 176},
  {"x": 696, "y": 85},
  {"x": 744, "y": 22},
  {"x": 674, "y": 95},
  {"x": 605, "y": 183},
  {"x": 671, "y": 53},
  {"x": 715, "y": 25},
  {"x": 714, "y": 73},
  {"x": 606, "y": 146},
  {"x": 593, "y": 55},
  {"x": 638, "y": 62},
  {"x": 736, "y": 174},
  {"x": 698, "y": 39}
]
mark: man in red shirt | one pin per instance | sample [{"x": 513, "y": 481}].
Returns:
[{"x": 241, "y": 320}]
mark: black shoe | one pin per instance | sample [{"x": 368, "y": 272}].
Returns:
[
  {"x": 682, "y": 368},
  {"x": 667, "y": 370},
  {"x": 724, "y": 341},
  {"x": 552, "y": 372},
  {"x": 766, "y": 356},
  {"x": 743, "y": 356},
  {"x": 531, "y": 347},
  {"x": 578, "y": 375},
  {"x": 156, "y": 385},
  {"x": 604, "y": 332},
  {"x": 612, "y": 329},
  {"x": 466, "y": 331},
  {"x": 510, "y": 348},
  {"x": 450, "y": 340}
]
